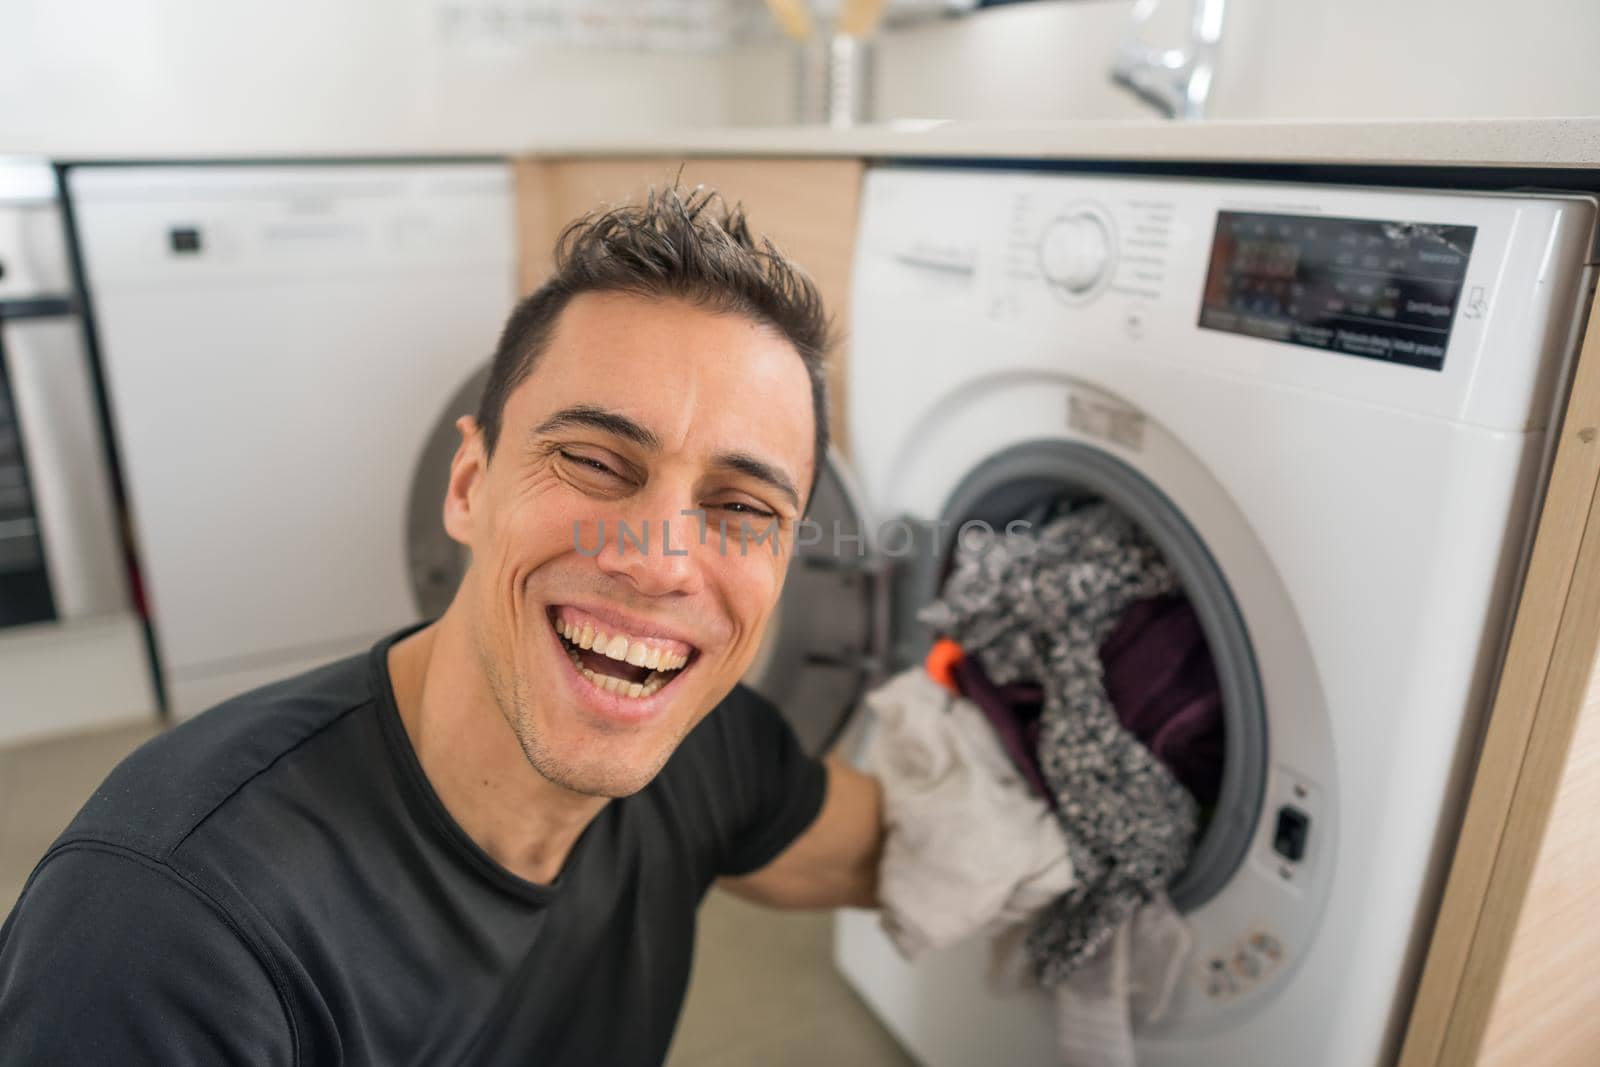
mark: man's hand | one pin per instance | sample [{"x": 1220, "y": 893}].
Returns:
[{"x": 834, "y": 864}]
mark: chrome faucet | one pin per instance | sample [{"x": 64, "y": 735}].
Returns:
[{"x": 1176, "y": 81}]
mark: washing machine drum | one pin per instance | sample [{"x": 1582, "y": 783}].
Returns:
[
  {"x": 813, "y": 662},
  {"x": 1028, "y": 480}
]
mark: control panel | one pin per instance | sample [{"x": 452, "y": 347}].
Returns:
[
  {"x": 1410, "y": 300},
  {"x": 1255, "y": 957},
  {"x": 1381, "y": 289}
]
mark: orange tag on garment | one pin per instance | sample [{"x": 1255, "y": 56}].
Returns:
[{"x": 941, "y": 663}]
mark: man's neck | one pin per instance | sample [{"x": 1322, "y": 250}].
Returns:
[{"x": 525, "y": 822}]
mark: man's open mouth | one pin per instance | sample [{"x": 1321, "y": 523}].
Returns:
[{"x": 618, "y": 662}]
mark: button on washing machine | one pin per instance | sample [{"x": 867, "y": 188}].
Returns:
[
  {"x": 1267, "y": 947},
  {"x": 1133, "y": 323},
  {"x": 1220, "y": 983},
  {"x": 1289, "y": 837},
  {"x": 1077, "y": 253}
]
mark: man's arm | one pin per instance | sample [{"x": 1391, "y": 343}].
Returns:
[{"x": 834, "y": 863}]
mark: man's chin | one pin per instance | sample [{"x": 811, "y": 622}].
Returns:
[
  {"x": 607, "y": 785},
  {"x": 597, "y": 774}
]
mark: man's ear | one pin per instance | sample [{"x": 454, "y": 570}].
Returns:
[{"x": 468, "y": 469}]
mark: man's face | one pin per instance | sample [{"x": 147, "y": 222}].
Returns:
[{"x": 637, "y": 412}]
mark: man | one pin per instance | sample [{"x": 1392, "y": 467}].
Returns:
[{"x": 485, "y": 842}]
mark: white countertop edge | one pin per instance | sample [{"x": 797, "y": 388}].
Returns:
[
  {"x": 1521, "y": 143},
  {"x": 1516, "y": 143}
]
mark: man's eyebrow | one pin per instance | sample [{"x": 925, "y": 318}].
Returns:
[
  {"x": 760, "y": 470},
  {"x": 598, "y": 418}
]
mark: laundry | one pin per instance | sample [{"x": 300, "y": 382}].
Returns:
[
  {"x": 1035, "y": 606},
  {"x": 1129, "y": 982},
  {"x": 1161, "y": 679},
  {"x": 968, "y": 849},
  {"x": 1013, "y": 713}
]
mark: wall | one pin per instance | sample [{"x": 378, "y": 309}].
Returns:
[
  {"x": 148, "y": 77},
  {"x": 1045, "y": 60},
  {"x": 152, "y": 77},
  {"x": 1410, "y": 58},
  {"x": 1280, "y": 59}
]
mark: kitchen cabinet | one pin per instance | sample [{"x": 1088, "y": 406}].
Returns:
[{"x": 808, "y": 207}]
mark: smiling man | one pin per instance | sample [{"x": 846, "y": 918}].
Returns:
[{"x": 485, "y": 841}]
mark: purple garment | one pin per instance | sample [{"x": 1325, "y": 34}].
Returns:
[
  {"x": 1163, "y": 684},
  {"x": 1013, "y": 711}
]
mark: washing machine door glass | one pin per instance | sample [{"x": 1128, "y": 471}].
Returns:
[
  {"x": 815, "y": 659},
  {"x": 1019, "y": 483}
]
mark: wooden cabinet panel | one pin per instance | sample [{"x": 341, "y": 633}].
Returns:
[
  {"x": 1547, "y": 1008},
  {"x": 808, "y": 207},
  {"x": 1518, "y": 919}
]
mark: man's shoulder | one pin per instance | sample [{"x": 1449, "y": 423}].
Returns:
[{"x": 158, "y": 795}]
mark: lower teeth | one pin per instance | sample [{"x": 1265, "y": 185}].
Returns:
[{"x": 611, "y": 684}]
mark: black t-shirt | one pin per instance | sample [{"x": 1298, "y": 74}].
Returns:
[{"x": 275, "y": 882}]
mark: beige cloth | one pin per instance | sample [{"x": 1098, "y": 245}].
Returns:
[
  {"x": 969, "y": 848},
  {"x": 1128, "y": 983}
]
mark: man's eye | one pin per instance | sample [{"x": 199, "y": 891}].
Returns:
[
  {"x": 592, "y": 464},
  {"x": 739, "y": 507}
]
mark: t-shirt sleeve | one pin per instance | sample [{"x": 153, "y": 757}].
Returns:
[
  {"x": 775, "y": 789},
  {"x": 110, "y": 957}
]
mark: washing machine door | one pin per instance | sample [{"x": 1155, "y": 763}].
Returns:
[
  {"x": 820, "y": 649},
  {"x": 827, "y": 639}
]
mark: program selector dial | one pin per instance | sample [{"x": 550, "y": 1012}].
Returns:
[{"x": 1076, "y": 252}]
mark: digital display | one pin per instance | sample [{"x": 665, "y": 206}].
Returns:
[
  {"x": 1361, "y": 287},
  {"x": 1266, "y": 259}
]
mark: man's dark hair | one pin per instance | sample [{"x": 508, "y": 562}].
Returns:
[{"x": 688, "y": 246}]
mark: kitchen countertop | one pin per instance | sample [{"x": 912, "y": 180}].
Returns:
[
  {"x": 1518, "y": 143},
  {"x": 1571, "y": 143}
]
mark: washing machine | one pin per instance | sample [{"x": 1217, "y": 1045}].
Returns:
[{"x": 1331, "y": 408}]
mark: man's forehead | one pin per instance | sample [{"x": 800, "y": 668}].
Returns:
[
  {"x": 667, "y": 374},
  {"x": 609, "y": 326}
]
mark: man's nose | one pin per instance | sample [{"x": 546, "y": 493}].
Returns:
[{"x": 655, "y": 550}]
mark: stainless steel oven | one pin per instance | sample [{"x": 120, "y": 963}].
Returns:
[{"x": 72, "y": 647}]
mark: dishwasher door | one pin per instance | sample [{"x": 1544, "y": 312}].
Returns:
[{"x": 277, "y": 340}]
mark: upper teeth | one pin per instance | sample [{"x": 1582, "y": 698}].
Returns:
[{"x": 620, "y": 647}]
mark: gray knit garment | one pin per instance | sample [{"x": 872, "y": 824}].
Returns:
[{"x": 1035, "y": 606}]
